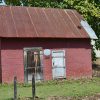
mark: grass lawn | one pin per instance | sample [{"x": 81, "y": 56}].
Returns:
[{"x": 75, "y": 88}]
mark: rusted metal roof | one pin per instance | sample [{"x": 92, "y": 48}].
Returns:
[{"x": 33, "y": 22}]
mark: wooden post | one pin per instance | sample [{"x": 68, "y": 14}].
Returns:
[
  {"x": 15, "y": 88},
  {"x": 33, "y": 86}
]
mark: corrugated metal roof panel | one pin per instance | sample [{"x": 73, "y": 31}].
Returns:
[
  {"x": 34, "y": 22},
  {"x": 88, "y": 29}
]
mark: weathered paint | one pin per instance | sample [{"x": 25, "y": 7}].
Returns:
[
  {"x": 0, "y": 64},
  {"x": 12, "y": 64},
  {"x": 35, "y": 22},
  {"x": 79, "y": 60},
  {"x": 78, "y": 57}
]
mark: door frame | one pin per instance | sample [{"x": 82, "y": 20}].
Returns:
[
  {"x": 60, "y": 50},
  {"x": 25, "y": 60}
]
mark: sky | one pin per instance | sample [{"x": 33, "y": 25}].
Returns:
[{"x": 3, "y": 3}]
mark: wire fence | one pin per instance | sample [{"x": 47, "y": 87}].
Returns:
[{"x": 44, "y": 90}]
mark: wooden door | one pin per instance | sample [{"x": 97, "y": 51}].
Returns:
[
  {"x": 58, "y": 64},
  {"x": 33, "y": 64}
]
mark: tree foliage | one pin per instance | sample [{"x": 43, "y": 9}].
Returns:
[{"x": 90, "y": 9}]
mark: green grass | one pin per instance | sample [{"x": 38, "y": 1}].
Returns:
[{"x": 74, "y": 88}]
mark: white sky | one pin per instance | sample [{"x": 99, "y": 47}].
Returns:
[{"x": 3, "y": 3}]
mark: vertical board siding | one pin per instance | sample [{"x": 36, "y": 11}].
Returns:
[
  {"x": 12, "y": 65},
  {"x": 78, "y": 57},
  {"x": 0, "y": 64},
  {"x": 47, "y": 70},
  {"x": 79, "y": 63}
]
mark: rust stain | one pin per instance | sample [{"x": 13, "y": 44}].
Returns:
[{"x": 35, "y": 22}]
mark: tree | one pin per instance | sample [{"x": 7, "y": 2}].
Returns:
[{"x": 90, "y": 9}]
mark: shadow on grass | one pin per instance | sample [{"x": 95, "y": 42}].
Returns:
[
  {"x": 26, "y": 98},
  {"x": 9, "y": 99}
]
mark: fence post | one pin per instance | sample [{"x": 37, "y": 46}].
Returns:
[
  {"x": 33, "y": 86},
  {"x": 15, "y": 88}
]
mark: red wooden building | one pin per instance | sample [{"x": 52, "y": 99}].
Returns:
[{"x": 50, "y": 42}]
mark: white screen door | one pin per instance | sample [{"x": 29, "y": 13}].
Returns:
[
  {"x": 33, "y": 64},
  {"x": 58, "y": 64}
]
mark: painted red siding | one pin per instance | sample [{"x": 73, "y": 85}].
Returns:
[
  {"x": 78, "y": 63},
  {"x": 0, "y": 64},
  {"x": 78, "y": 57},
  {"x": 47, "y": 68},
  {"x": 12, "y": 64},
  {"x": 79, "y": 60}
]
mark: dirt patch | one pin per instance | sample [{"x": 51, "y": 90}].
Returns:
[
  {"x": 59, "y": 98},
  {"x": 94, "y": 97},
  {"x": 30, "y": 98},
  {"x": 96, "y": 73},
  {"x": 96, "y": 70},
  {"x": 97, "y": 61}
]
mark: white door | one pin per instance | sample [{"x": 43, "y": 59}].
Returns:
[{"x": 58, "y": 64}]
